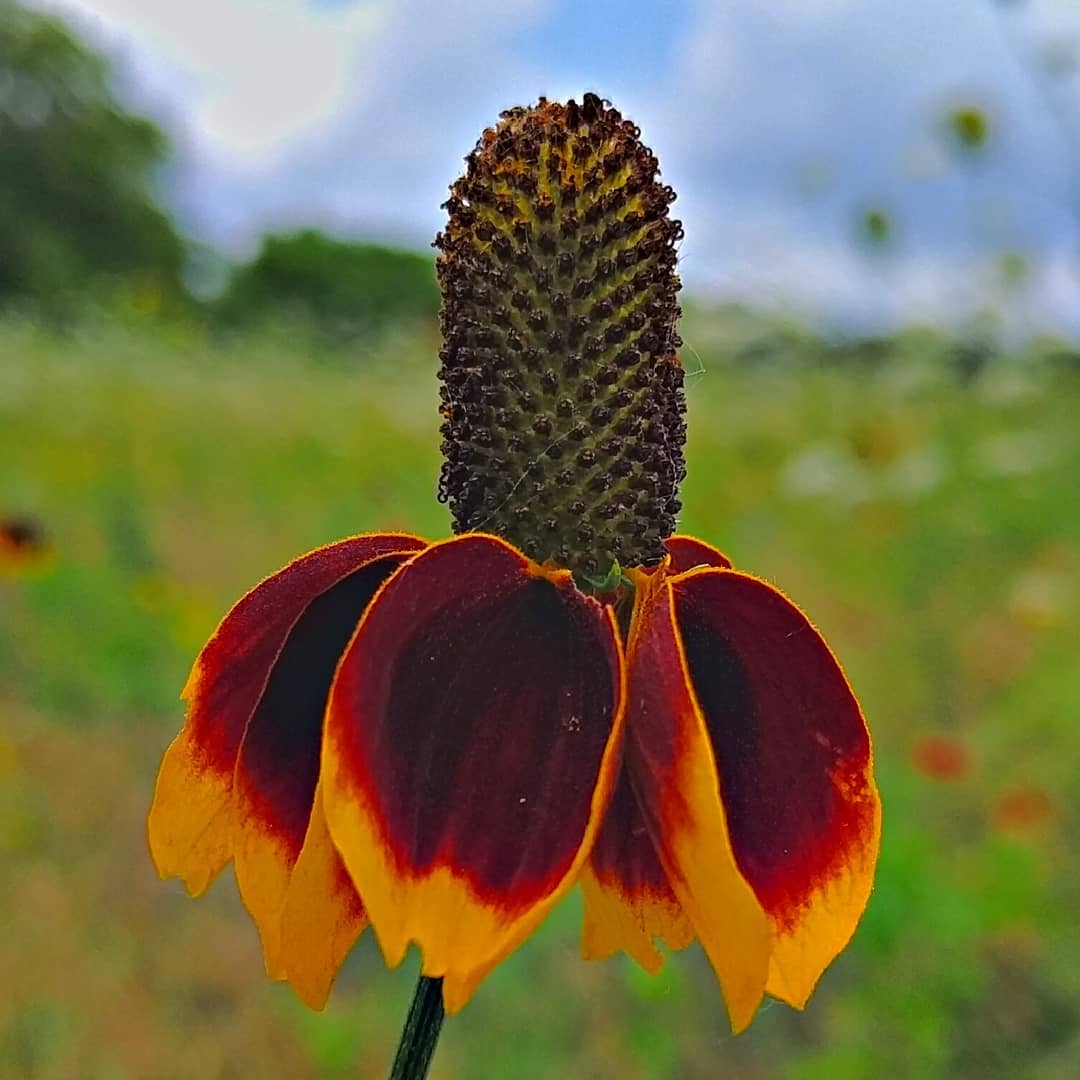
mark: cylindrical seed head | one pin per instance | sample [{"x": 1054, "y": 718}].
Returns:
[{"x": 562, "y": 394}]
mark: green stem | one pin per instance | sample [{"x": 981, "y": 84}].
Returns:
[{"x": 421, "y": 1031}]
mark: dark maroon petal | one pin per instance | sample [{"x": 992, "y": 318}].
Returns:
[
  {"x": 629, "y": 902},
  {"x": 793, "y": 756},
  {"x": 192, "y": 819},
  {"x": 231, "y": 671},
  {"x": 471, "y": 745},
  {"x": 670, "y": 761},
  {"x": 278, "y": 765},
  {"x": 687, "y": 552},
  {"x": 279, "y": 757}
]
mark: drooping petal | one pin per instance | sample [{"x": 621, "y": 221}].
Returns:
[
  {"x": 794, "y": 760},
  {"x": 629, "y": 902},
  {"x": 191, "y": 821},
  {"x": 322, "y": 916},
  {"x": 688, "y": 552},
  {"x": 278, "y": 764},
  {"x": 670, "y": 760},
  {"x": 471, "y": 743}
]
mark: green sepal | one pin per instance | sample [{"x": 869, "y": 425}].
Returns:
[{"x": 609, "y": 582}]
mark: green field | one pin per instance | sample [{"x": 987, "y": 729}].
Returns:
[{"x": 929, "y": 524}]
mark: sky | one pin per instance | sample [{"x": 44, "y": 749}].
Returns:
[{"x": 779, "y": 122}]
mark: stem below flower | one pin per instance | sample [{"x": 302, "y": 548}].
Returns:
[{"x": 421, "y": 1031}]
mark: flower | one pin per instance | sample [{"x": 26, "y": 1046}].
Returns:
[
  {"x": 941, "y": 758},
  {"x": 443, "y": 738},
  {"x": 23, "y": 544}
]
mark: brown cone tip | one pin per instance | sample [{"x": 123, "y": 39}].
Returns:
[{"x": 562, "y": 395}]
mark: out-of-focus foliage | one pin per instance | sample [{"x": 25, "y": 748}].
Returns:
[
  {"x": 918, "y": 495},
  {"x": 341, "y": 287},
  {"x": 1014, "y": 269},
  {"x": 968, "y": 128},
  {"x": 78, "y": 220},
  {"x": 77, "y": 214},
  {"x": 875, "y": 228}
]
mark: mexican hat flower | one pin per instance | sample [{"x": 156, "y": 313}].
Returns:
[
  {"x": 23, "y": 544},
  {"x": 442, "y": 738}
]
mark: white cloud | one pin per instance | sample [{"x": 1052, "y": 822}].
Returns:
[
  {"x": 419, "y": 97},
  {"x": 826, "y": 280},
  {"x": 353, "y": 115},
  {"x": 253, "y": 75},
  {"x": 775, "y": 121},
  {"x": 852, "y": 94}
]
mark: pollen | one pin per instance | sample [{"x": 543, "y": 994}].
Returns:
[{"x": 562, "y": 391}]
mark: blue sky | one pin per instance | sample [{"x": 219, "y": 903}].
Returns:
[{"x": 777, "y": 121}]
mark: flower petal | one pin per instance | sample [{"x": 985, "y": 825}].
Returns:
[
  {"x": 278, "y": 764},
  {"x": 322, "y": 916},
  {"x": 794, "y": 764},
  {"x": 670, "y": 759},
  {"x": 688, "y": 552},
  {"x": 472, "y": 739},
  {"x": 628, "y": 899},
  {"x": 191, "y": 821}
]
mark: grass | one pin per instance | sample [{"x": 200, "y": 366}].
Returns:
[{"x": 928, "y": 524}]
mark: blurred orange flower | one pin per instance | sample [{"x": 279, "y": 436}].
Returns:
[
  {"x": 23, "y": 544},
  {"x": 940, "y": 757},
  {"x": 1024, "y": 808}
]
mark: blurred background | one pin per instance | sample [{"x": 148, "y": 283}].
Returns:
[{"x": 217, "y": 349}]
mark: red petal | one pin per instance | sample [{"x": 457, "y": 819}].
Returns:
[
  {"x": 688, "y": 552},
  {"x": 794, "y": 765},
  {"x": 471, "y": 743},
  {"x": 628, "y": 900},
  {"x": 191, "y": 820},
  {"x": 278, "y": 765},
  {"x": 670, "y": 760}
]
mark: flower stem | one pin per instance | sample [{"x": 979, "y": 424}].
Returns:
[{"x": 421, "y": 1031}]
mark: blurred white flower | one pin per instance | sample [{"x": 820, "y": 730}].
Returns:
[
  {"x": 822, "y": 469},
  {"x": 1017, "y": 453}
]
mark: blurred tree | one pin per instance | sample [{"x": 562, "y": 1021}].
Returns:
[
  {"x": 76, "y": 211},
  {"x": 339, "y": 286},
  {"x": 1014, "y": 269},
  {"x": 875, "y": 228}
]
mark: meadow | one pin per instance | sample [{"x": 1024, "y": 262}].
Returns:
[{"x": 921, "y": 507}]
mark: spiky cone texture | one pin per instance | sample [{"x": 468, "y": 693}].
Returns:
[{"x": 562, "y": 394}]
